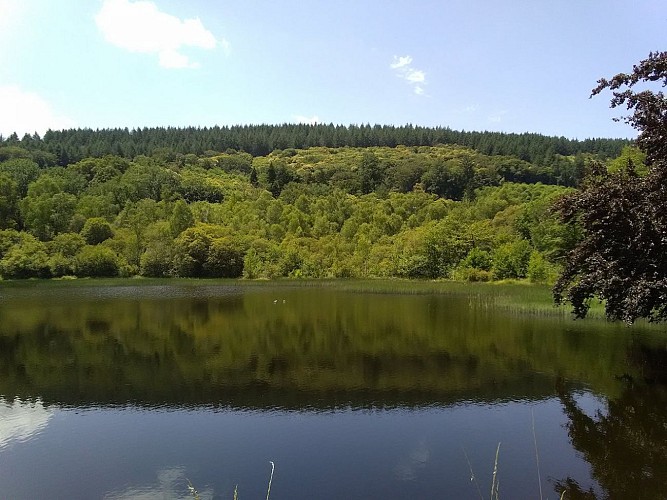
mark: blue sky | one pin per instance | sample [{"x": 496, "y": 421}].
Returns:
[{"x": 513, "y": 66}]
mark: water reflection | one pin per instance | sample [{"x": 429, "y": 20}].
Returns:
[
  {"x": 417, "y": 458},
  {"x": 626, "y": 444},
  {"x": 170, "y": 483},
  {"x": 21, "y": 420},
  {"x": 384, "y": 390},
  {"x": 317, "y": 350}
]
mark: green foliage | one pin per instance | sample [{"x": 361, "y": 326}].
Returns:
[
  {"x": 23, "y": 171},
  {"x": 179, "y": 147},
  {"x": 26, "y": 258},
  {"x": 477, "y": 259},
  {"x": 47, "y": 210},
  {"x": 540, "y": 270},
  {"x": 96, "y": 261},
  {"x": 192, "y": 248},
  {"x": 510, "y": 261},
  {"x": 96, "y": 230},
  {"x": 225, "y": 258},
  {"x": 181, "y": 218},
  {"x": 630, "y": 156},
  {"x": 9, "y": 197},
  {"x": 101, "y": 205},
  {"x": 176, "y": 214},
  {"x": 66, "y": 244},
  {"x": 9, "y": 238},
  {"x": 196, "y": 185},
  {"x": 371, "y": 172},
  {"x": 62, "y": 252}
]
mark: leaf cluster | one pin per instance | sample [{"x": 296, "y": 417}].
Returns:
[{"x": 621, "y": 258}]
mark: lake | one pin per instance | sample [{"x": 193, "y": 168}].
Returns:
[{"x": 128, "y": 389}]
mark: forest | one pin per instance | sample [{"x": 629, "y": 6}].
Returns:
[
  {"x": 162, "y": 202},
  {"x": 259, "y": 140}
]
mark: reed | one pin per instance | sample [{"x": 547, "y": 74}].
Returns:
[{"x": 195, "y": 494}]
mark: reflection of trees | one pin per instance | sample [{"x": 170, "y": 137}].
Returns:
[
  {"x": 627, "y": 446},
  {"x": 245, "y": 346},
  {"x": 326, "y": 346}
]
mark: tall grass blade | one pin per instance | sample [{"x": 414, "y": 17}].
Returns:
[
  {"x": 537, "y": 455},
  {"x": 472, "y": 474},
  {"x": 268, "y": 491},
  {"x": 495, "y": 484}
]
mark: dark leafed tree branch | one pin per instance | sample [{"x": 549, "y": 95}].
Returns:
[{"x": 622, "y": 257}]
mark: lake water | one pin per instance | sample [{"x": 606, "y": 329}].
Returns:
[{"x": 130, "y": 391}]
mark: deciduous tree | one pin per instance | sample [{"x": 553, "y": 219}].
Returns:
[{"x": 621, "y": 257}]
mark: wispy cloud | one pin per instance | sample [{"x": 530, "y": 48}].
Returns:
[
  {"x": 27, "y": 112},
  {"x": 402, "y": 66},
  {"x": 400, "y": 62},
  {"x": 497, "y": 116},
  {"x": 312, "y": 120},
  {"x": 141, "y": 27}
]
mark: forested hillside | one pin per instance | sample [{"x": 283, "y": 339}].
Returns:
[
  {"x": 407, "y": 211},
  {"x": 259, "y": 140}
]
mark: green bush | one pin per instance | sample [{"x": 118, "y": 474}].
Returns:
[
  {"x": 61, "y": 265},
  {"x": 96, "y": 261},
  {"x": 66, "y": 244},
  {"x": 477, "y": 259},
  {"x": 472, "y": 274},
  {"x": 510, "y": 261},
  {"x": 26, "y": 259},
  {"x": 156, "y": 262},
  {"x": 225, "y": 259}
]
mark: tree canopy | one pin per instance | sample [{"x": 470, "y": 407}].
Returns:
[
  {"x": 622, "y": 257},
  {"x": 69, "y": 146}
]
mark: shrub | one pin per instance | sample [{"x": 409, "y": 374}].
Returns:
[
  {"x": 156, "y": 262},
  {"x": 26, "y": 259},
  {"x": 510, "y": 261},
  {"x": 96, "y": 261}
]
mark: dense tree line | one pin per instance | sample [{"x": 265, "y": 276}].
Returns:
[
  {"x": 418, "y": 212},
  {"x": 73, "y": 145}
]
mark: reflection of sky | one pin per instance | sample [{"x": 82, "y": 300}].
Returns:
[
  {"x": 170, "y": 483},
  {"x": 21, "y": 421},
  {"x": 408, "y": 467}
]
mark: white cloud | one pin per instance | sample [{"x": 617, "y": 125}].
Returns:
[
  {"x": 399, "y": 62},
  {"x": 497, "y": 117},
  {"x": 21, "y": 421},
  {"x": 312, "y": 120},
  {"x": 141, "y": 27},
  {"x": 26, "y": 112},
  {"x": 415, "y": 77}
]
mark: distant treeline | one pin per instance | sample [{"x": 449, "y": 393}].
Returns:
[{"x": 70, "y": 146}]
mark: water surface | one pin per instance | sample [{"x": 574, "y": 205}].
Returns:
[{"x": 131, "y": 391}]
